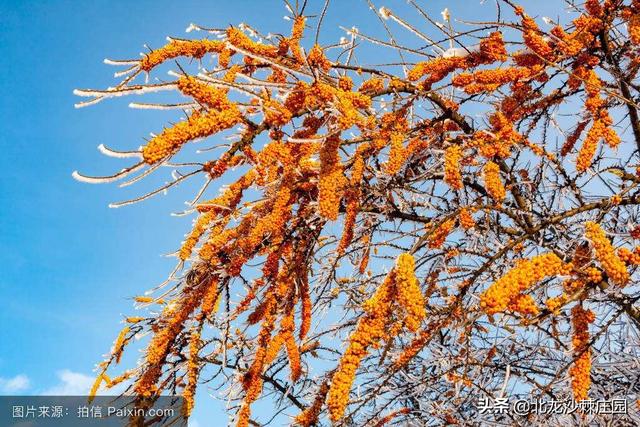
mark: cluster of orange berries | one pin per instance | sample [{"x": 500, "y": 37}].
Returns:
[
  {"x": 417, "y": 145},
  {"x": 369, "y": 331},
  {"x": 466, "y": 220},
  {"x": 352, "y": 201},
  {"x": 602, "y": 121},
  {"x": 399, "y": 285},
  {"x": 271, "y": 161},
  {"x": 198, "y": 125},
  {"x": 588, "y": 149},
  {"x": 332, "y": 181},
  {"x": 492, "y": 182},
  {"x": 285, "y": 338},
  {"x": 629, "y": 257},
  {"x": 580, "y": 372},
  {"x": 229, "y": 199},
  {"x": 594, "y": 275},
  {"x": 605, "y": 254},
  {"x": 573, "y": 285},
  {"x": 504, "y": 136},
  {"x": 276, "y": 114},
  {"x": 349, "y": 105},
  {"x": 409, "y": 293},
  {"x": 549, "y": 49},
  {"x": 316, "y": 58},
  {"x": 345, "y": 83},
  {"x": 410, "y": 351},
  {"x": 508, "y": 289},
  {"x": 175, "y": 48},
  {"x": 524, "y": 304},
  {"x": 215, "y": 168},
  {"x": 293, "y": 352},
  {"x": 270, "y": 224},
  {"x": 309, "y": 416},
  {"x": 205, "y": 94},
  {"x": 373, "y": 85},
  {"x": 568, "y": 44},
  {"x": 436, "y": 69},
  {"x": 590, "y": 275},
  {"x": 452, "y": 175},
  {"x": 240, "y": 40},
  {"x": 267, "y": 346},
  {"x": 490, "y": 80},
  {"x": 211, "y": 251},
  {"x": 452, "y": 253},
  {"x": 592, "y": 86},
  {"x": 573, "y": 138},
  {"x": 224, "y": 204},
  {"x": 491, "y": 49},
  {"x": 296, "y": 35},
  {"x": 121, "y": 341},
  {"x": 632, "y": 16},
  {"x": 210, "y": 301},
  {"x": 199, "y": 228},
  {"x": 594, "y": 7},
  {"x": 364, "y": 261},
  {"x": 485, "y": 143},
  {"x": 305, "y": 310},
  {"x": 193, "y": 368},
  {"x": 318, "y": 94},
  {"x": 437, "y": 238},
  {"x": 397, "y": 153},
  {"x": 173, "y": 319},
  {"x": 532, "y": 36},
  {"x": 554, "y": 304},
  {"x": 499, "y": 141},
  {"x": 102, "y": 377}
]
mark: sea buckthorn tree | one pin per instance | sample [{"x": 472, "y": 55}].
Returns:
[{"x": 389, "y": 243}]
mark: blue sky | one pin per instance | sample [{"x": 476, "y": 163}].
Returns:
[{"x": 70, "y": 265}]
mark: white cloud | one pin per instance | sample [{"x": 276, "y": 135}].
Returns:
[
  {"x": 13, "y": 385},
  {"x": 71, "y": 384}
]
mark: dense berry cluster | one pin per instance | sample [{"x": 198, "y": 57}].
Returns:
[
  {"x": 399, "y": 287},
  {"x": 493, "y": 183},
  {"x": 506, "y": 292},
  {"x": 606, "y": 255},
  {"x": 580, "y": 371},
  {"x": 440, "y": 234},
  {"x": 466, "y": 219},
  {"x": 452, "y": 175},
  {"x": 190, "y": 48}
]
